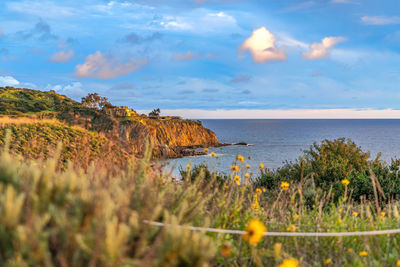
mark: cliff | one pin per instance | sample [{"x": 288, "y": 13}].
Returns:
[
  {"x": 170, "y": 138},
  {"x": 122, "y": 126}
]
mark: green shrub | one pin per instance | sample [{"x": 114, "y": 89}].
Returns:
[{"x": 325, "y": 165}]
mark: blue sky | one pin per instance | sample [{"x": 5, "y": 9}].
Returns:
[{"x": 242, "y": 57}]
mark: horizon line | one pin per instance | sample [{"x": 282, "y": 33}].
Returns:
[{"x": 281, "y": 113}]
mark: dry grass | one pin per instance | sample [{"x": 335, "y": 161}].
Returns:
[{"x": 6, "y": 120}]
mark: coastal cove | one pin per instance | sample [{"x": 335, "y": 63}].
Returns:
[{"x": 274, "y": 141}]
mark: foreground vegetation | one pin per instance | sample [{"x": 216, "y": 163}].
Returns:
[{"x": 52, "y": 216}]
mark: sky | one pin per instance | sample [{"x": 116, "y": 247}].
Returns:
[{"x": 210, "y": 58}]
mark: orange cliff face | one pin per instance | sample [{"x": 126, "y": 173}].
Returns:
[{"x": 169, "y": 137}]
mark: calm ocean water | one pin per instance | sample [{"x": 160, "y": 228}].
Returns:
[{"x": 276, "y": 141}]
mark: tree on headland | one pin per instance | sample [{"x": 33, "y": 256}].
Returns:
[
  {"x": 95, "y": 101},
  {"x": 155, "y": 113}
]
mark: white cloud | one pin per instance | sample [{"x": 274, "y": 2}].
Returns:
[
  {"x": 107, "y": 66},
  {"x": 73, "y": 90},
  {"x": 176, "y": 25},
  {"x": 287, "y": 40},
  {"x": 261, "y": 45},
  {"x": 8, "y": 81},
  {"x": 380, "y": 20},
  {"x": 321, "y": 50},
  {"x": 62, "y": 56},
  {"x": 200, "y": 21}
]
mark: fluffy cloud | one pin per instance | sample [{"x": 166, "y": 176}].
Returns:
[
  {"x": 211, "y": 22},
  {"x": 261, "y": 45},
  {"x": 62, "y": 56},
  {"x": 8, "y": 81},
  {"x": 380, "y": 20},
  {"x": 107, "y": 66},
  {"x": 321, "y": 50}
]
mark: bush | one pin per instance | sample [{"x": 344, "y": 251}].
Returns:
[{"x": 325, "y": 165}]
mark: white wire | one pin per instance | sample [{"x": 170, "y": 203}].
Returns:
[{"x": 297, "y": 234}]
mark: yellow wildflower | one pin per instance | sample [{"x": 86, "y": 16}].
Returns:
[
  {"x": 225, "y": 250},
  {"x": 240, "y": 158},
  {"x": 355, "y": 214},
  {"x": 212, "y": 154},
  {"x": 258, "y": 191},
  {"x": 238, "y": 182},
  {"x": 383, "y": 214},
  {"x": 248, "y": 166},
  {"x": 285, "y": 186},
  {"x": 398, "y": 263},
  {"x": 363, "y": 253},
  {"x": 261, "y": 166},
  {"x": 339, "y": 220},
  {"x": 188, "y": 167},
  {"x": 289, "y": 263},
  {"x": 292, "y": 228},
  {"x": 254, "y": 232},
  {"x": 247, "y": 175},
  {"x": 328, "y": 261},
  {"x": 350, "y": 250},
  {"x": 205, "y": 149},
  {"x": 234, "y": 168},
  {"x": 264, "y": 190},
  {"x": 345, "y": 182},
  {"x": 236, "y": 178}
]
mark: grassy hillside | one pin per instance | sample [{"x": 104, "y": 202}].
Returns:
[
  {"x": 39, "y": 138},
  {"x": 17, "y": 101}
]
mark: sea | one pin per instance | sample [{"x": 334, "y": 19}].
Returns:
[{"x": 276, "y": 141}]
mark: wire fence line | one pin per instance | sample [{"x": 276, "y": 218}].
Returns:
[{"x": 295, "y": 234}]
